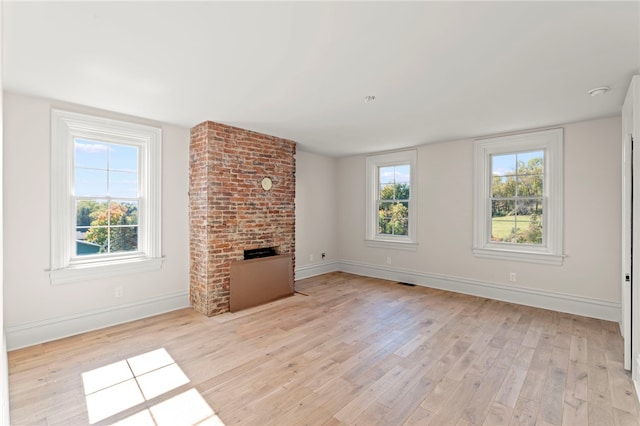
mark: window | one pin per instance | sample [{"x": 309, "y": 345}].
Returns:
[
  {"x": 391, "y": 200},
  {"x": 518, "y": 197},
  {"x": 105, "y": 197}
]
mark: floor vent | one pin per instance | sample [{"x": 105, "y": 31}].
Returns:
[{"x": 407, "y": 284}]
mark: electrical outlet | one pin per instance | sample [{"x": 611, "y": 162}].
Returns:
[
  {"x": 311, "y": 257},
  {"x": 324, "y": 255},
  {"x": 512, "y": 276},
  {"x": 119, "y": 291},
  {"x": 388, "y": 260}
]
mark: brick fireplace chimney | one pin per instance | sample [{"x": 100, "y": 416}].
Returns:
[{"x": 230, "y": 211}]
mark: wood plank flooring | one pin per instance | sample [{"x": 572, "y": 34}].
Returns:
[{"x": 356, "y": 350}]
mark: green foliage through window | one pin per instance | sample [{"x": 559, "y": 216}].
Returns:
[
  {"x": 517, "y": 198},
  {"x": 111, "y": 225},
  {"x": 393, "y": 200}
]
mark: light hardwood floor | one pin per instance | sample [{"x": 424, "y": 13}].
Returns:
[{"x": 356, "y": 350}]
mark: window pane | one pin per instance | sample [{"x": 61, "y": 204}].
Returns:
[
  {"x": 96, "y": 237},
  {"x": 124, "y": 238},
  {"x": 386, "y": 174},
  {"x": 503, "y": 220},
  {"x": 123, "y": 158},
  {"x": 503, "y": 165},
  {"x": 529, "y": 185},
  {"x": 500, "y": 208},
  {"x": 530, "y": 162},
  {"x": 88, "y": 211},
  {"x": 502, "y": 186},
  {"x": 402, "y": 174},
  {"x": 387, "y": 191},
  {"x": 89, "y": 182},
  {"x": 90, "y": 154},
  {"x": 402, "y": 191},
  {"x": 123, "y": 184}
]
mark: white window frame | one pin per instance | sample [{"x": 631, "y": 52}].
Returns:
[
  {"x": 65, "y": 128},
  {"x": 550, "y": 252},
  {"x": 373, "y": 164}
]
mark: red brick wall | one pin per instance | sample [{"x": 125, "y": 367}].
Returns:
[{"x": 229, "y": 212}]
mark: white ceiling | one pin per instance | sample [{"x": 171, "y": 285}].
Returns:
[{"x": 300, "y": 70}]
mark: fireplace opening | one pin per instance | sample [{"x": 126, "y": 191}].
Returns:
[{"x": 259, "y": 252}]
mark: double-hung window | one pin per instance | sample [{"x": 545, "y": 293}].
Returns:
[
  {"x": 518, "y": 197},
  {"x": 391, "y": 200},
  {"x": 105, "y": 197}
]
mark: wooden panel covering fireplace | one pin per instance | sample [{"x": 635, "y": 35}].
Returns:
[{"x": 257, "y": 281}]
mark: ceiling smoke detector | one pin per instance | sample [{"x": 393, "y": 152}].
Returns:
[
  {"x": 598, "y": 91},
  {"x": 369, "y": 98}
]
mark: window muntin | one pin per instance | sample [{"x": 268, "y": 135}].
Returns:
[
  {"x": 517, "y": 201},
  {"x": 106, "y": 198},
  {"x": 394, "y": 183}
]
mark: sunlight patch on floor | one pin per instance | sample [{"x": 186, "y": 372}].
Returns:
[
  {"x": 103, "y": 377},
  {"x": 188, "y": 408},
  {"x": 150, "y": 361},
  {"x": 113, "y": 400},
  {"x": 161, "y": 381},
  {"x": 116, "y": 387}
]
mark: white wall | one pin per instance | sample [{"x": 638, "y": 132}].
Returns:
[
  {"x": 316, "y": 221},
  {"x": 5, "y": 417},
  {"x": 587, "y": 283},
  {"x": 37, "y": 311}
]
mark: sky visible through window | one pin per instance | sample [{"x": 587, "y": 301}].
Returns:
[
  {"x": 506, "y": 163},
  {"x": 103, "y": 169},
  {"x": 395, "y": 174}
]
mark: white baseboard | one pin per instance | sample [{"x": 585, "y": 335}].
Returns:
[
  {"x": 36, "y": 332},
  {"x": 32, "y": 333},
  {"x": 635, "y": 371},
  {"x": 309, "y": 271},
  {"x": 560, "y": 302}
]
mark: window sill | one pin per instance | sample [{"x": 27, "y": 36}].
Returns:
[
  {"x": 398, "y": 245},
  {"x": 97, "y": 270},
  {"x": 520, "y": 256}
]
